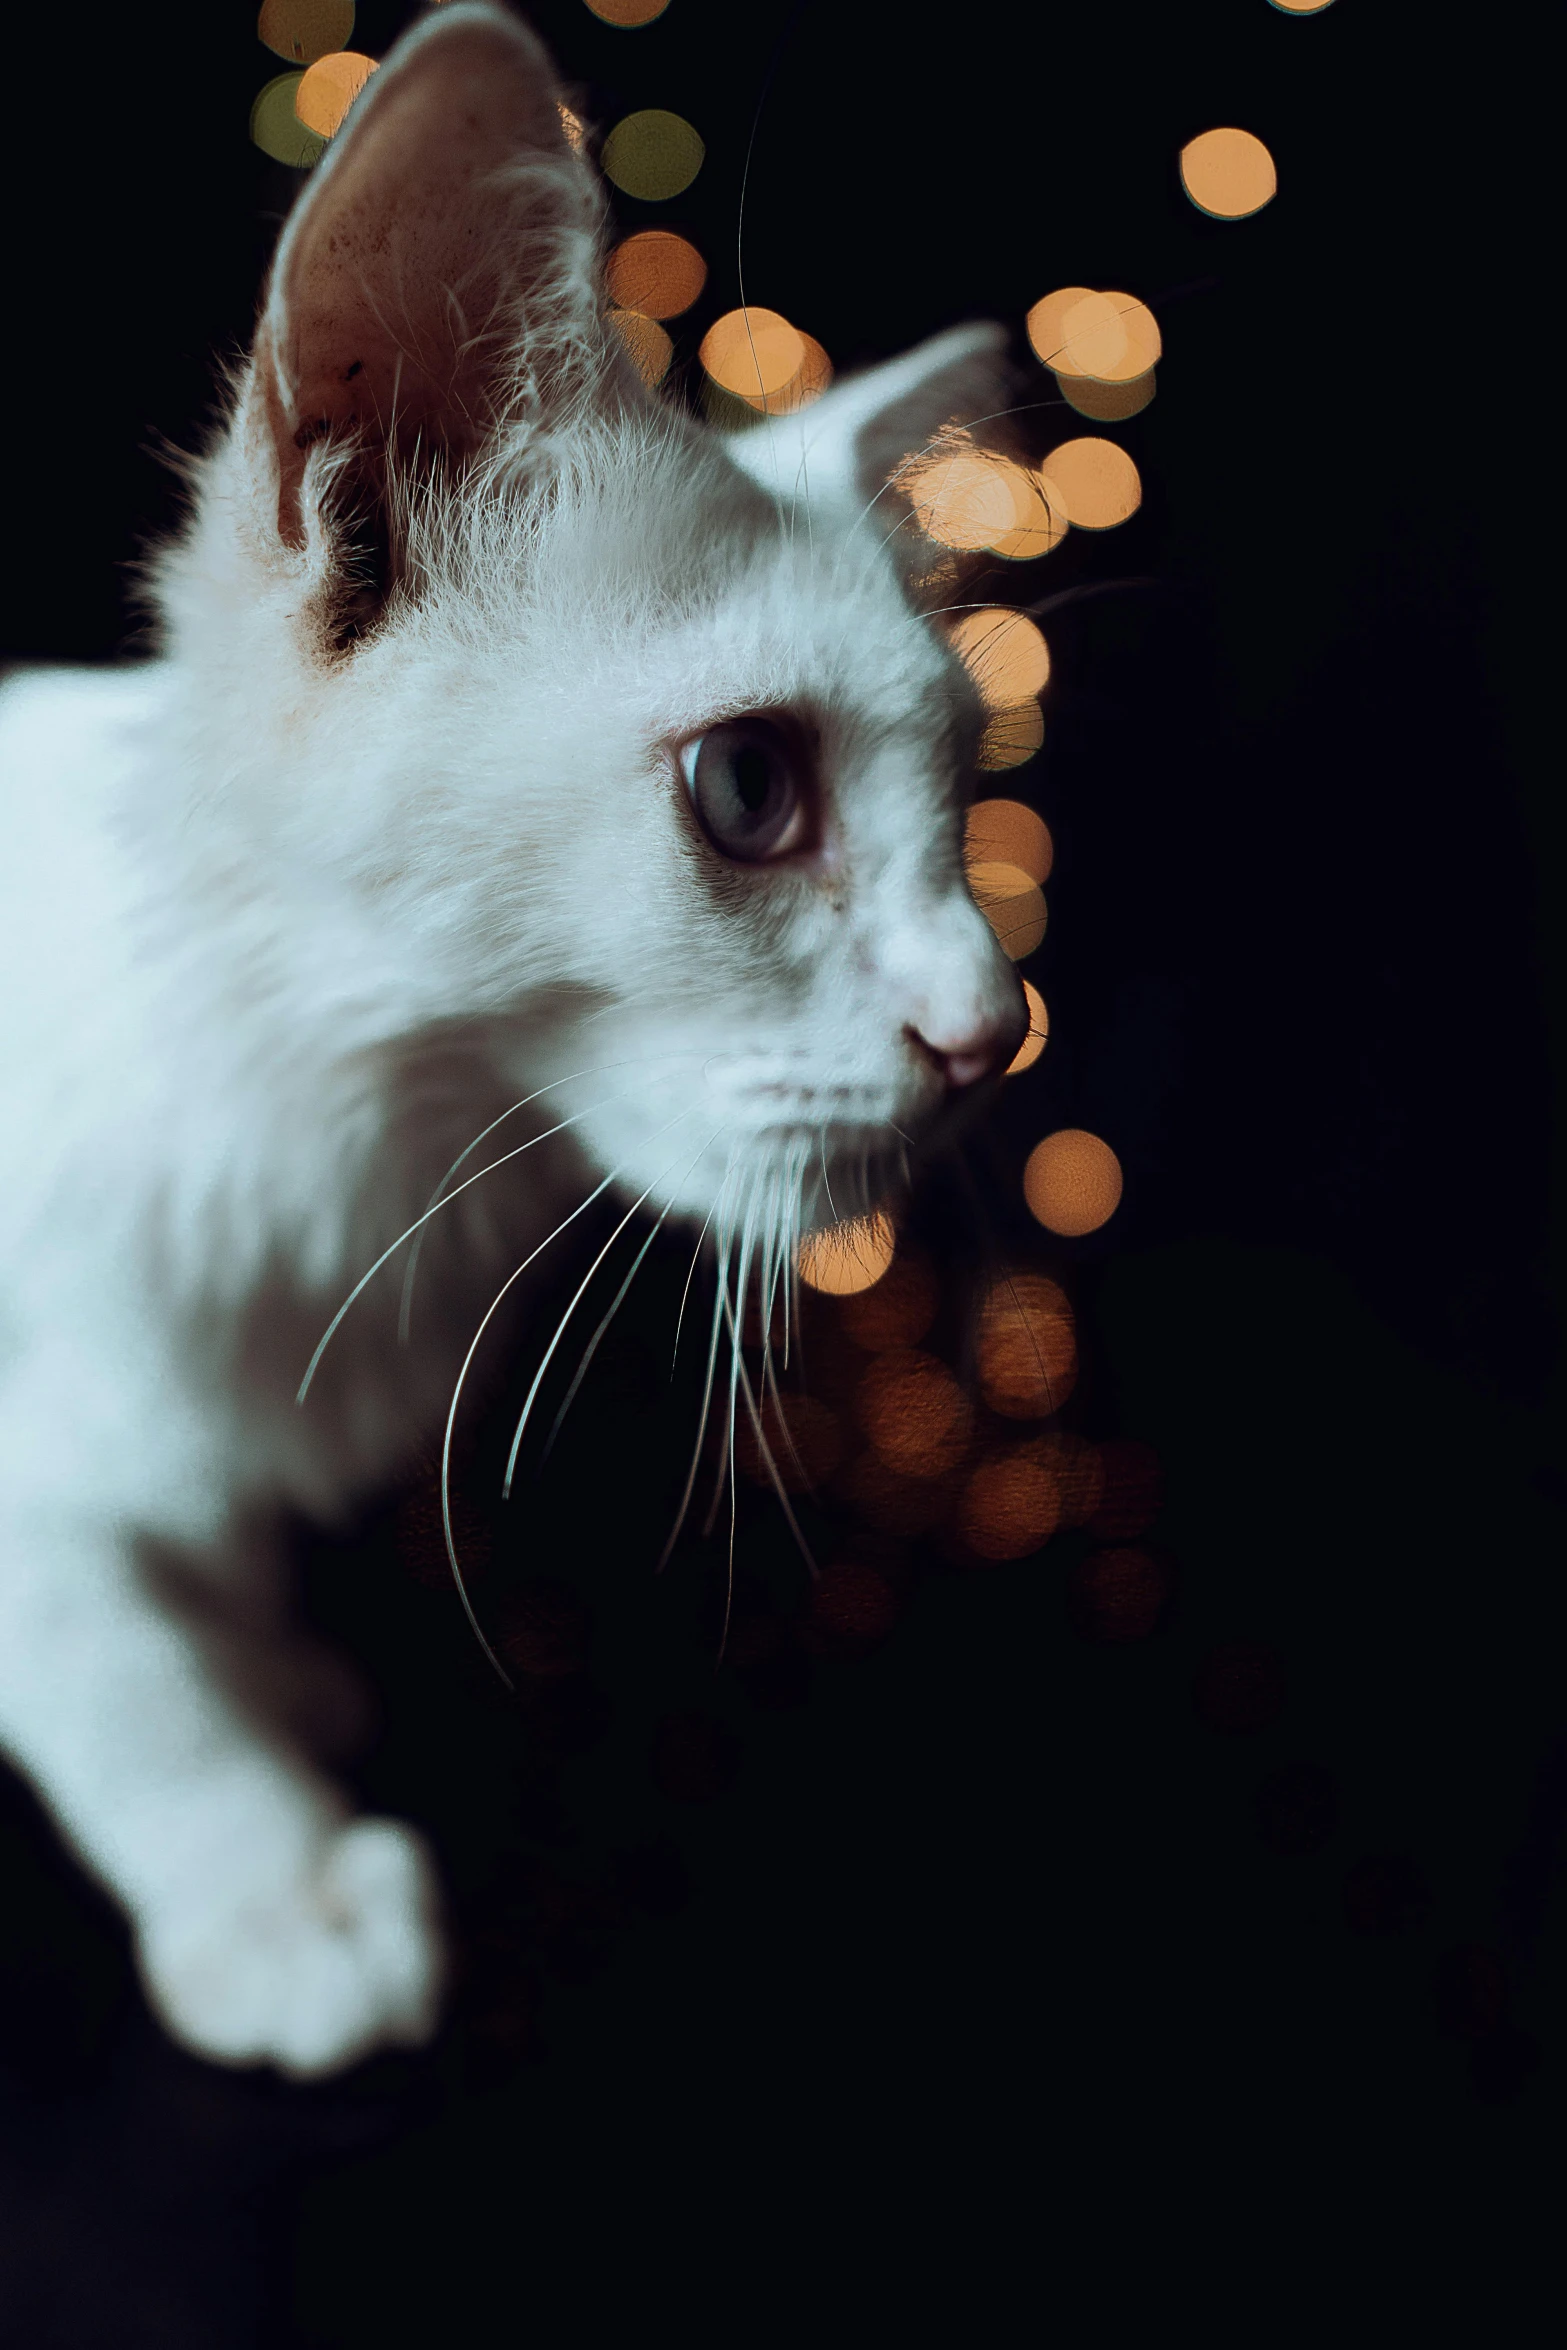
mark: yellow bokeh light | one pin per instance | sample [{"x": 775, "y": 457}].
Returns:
[
  {"x": 1012, "y": 904},
  {"x": 1094, "y": 482},
  {"x": 917, "y": 1417},
  {"x": 655, "y": 272},
  {"x": 1038, "y": 1035},
  {"x": 1072, "y": 1182},
  {"x": 627, "y": 13},
  {"x": 1003, "y": 652},
  {"x": 650, "y": 348},
  {"x": 1007, "y": 833},
  {"x": 277, "y": 129},
  {"x": 303, "y": 30},
  {"x": 1228, "y": 173},
  {"x": 1011, "y": 737},
  {"x": 1026, "y": 1349},
  {"x": 848, "y": 1256},
  {"x": 652, "y": 155},
  {"x": 1300, "y": 7},
  {"x": 328, "y": 88}
]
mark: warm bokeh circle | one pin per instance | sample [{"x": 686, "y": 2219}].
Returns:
[{"x": 1072, "y": 1182}]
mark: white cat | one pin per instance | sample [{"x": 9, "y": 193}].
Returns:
[{"x": 513, "y": 732}]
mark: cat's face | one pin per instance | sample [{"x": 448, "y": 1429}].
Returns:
[
  {"x": 643, "y": 738},
  {"x": 798, "y": 973}
]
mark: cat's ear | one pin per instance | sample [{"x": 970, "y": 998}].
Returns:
[
  {"x": 437, "y": 281},
  {"x": 851, "y": 440}
]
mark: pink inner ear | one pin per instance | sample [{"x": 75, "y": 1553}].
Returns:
[{"x": 402, "y": 286}]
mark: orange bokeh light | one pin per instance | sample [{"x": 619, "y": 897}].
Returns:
[
  {"x": 1006, "y": 832},
  {"x": 1079, "y": 1470},
  {"x": 1041, "y": 521},
  {"x": 1111, "y": 337},
  {"x": 1046, "y": 322},
  {"x": 1010, "y": 738},
  {"x": 650, "y": 347},
  {"x": 1118, "y": 1594},
  {"x": 1013, "y": 905},
  {"x": 1228, "y": 173},
  {"x": 806, "y": 1443},
  {"x": 753, "y": 352},
  {"x": 975, "y": 500},
  {"x": 966, "y": 501},
  {"x": 897, "y": 1310},
  {"x": 1004, "y": 653},
  {"x": 627, "y": 13},
  {"x": 915, "y": 1414},
  {"x": 1038, "y": 1035},
  {"x": 1072, "y": 1182},
  {"x": 847, "y": 1257},
  {"x": 813, "y": 378},
  {"x": 894, "y": 1505},
  {"x": 1026, "y": 1347},
  {"x": 1133, "y": 1488},
  {"x": 1094, "y": 482},
  {"x": 1011, "y": 1504},
  {"x": 328, "y": 88},
  {"x": 303, "y": 30},
  {"x": 1108, "y": 403},
  {"x": 657, "y": 272}
]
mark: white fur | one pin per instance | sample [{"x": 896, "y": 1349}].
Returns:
[{"x": 281, "y": 932}]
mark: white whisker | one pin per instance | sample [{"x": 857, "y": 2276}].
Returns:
[
  {"x": 696, "y": 1257},
  {"x": 582, "y": 1287},
  {"x": 405, "y": 1306},
  {"x": 366, "y": 1278},
  {"x": 592, "y": 1347},
  {"x": 707, "y": 1397},
  {"x": 451, "y": 1417},
  {"x": 742, "y": 1276}
]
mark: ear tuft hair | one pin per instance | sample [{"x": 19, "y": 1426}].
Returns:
[
  {"x": 436, "y": 288},
  {"x": 850, "y": 441}
]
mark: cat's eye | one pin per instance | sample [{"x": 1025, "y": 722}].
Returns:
[{"x": 748, "y": 783}]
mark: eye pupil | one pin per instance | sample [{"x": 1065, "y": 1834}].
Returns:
[
  {"x": 753, "y": 777},
  {"x": 748, "y": 789}
]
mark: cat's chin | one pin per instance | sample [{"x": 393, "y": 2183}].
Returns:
[{"x": 791, "y": 1175}]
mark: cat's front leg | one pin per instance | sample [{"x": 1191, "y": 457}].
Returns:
[{"x": 270, "y": 1926}]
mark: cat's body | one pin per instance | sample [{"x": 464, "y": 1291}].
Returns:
[{"x": 381, "y": 846}]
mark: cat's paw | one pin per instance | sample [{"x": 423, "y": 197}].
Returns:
[{"x": 313, "y": 1974}]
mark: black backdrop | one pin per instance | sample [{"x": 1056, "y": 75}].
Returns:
[{"x": 996, "y": 1965}]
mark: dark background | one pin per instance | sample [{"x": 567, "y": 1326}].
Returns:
[{"x": 984, "y": 1975}]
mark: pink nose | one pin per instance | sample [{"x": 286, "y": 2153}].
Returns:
[{"x": 983, "y": 1052}]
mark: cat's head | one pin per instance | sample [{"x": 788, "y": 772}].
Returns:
[{"x": 563, "y": 710}]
